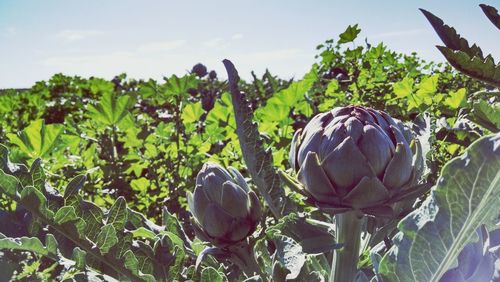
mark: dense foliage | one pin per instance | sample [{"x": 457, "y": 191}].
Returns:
[{"x": 120, "y": 157}]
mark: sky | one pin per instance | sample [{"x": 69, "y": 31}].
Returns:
[{"x": 152, "y": 39}]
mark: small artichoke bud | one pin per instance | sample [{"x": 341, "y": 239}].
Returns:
[
  {"x": 225, "y": 210},
  {"x": 212, "y": 75},
  {"x": 200, "y": 70},
  {"x": 207, "y": 100},
  {"x": 353, "y": 158}
]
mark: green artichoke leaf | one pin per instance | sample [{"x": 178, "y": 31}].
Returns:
[{"x": 467, "y": 195}]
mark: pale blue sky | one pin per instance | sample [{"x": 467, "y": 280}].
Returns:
[{"x": 151, "y": 39}]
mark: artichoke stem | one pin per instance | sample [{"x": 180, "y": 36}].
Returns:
[
  {"x": 242, "y": 255},
  {"x": 345, "y": 260}
]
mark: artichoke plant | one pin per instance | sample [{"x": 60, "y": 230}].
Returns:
[
  {"x": 354, "y": 158},
  {"x": 225, "y": 210}
]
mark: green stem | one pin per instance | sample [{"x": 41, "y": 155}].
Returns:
[{"x": 345, "y": 260}]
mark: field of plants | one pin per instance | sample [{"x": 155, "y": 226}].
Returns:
[{"x": 374, "y": 166}]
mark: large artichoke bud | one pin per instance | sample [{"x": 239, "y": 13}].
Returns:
[
  {"x": 225, "y": 210},
  {"x": 353, "y": 158}
]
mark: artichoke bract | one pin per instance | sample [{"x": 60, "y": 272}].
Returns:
[
  {"x": 353, "y": 158},
  {"x": 225, "y": 210}
]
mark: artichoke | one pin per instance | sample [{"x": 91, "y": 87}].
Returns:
[
  {"x": 225, "y": 210},
  {"x": 354, "y": 158}
]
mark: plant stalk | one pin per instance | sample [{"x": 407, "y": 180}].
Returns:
[{"x": 345, "y": 260}]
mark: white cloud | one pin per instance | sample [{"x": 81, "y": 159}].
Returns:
[
  {"x": 161, "y": 46},
  {"x": 214, "y": 42},
  {"x": 10, "y": 31},
  {"x": 399, "y": 33},
  {"x": 75, "y": 35},
  {"x": 237, "y": 36}
]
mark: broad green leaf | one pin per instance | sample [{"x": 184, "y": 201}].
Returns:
[
  {"x": 178, "y": 86},
  {"x": 403, "y": 88},
  {"x": 65, "y": 214},
  {"x": 210, "y": 274},
  {"x": 467, "y": 195},
  {"x": 111, "y": 109},
  {"x": 117, "y": 215},
  {"x": 143, "y": 232},
  {"x": 191, "y": 113},
  {"x": 38, "y": 140},
  {"x": 131, "y": 262},
  {"x": 487, "y": 115},
  {"x": 106, "y": 238},
  {"x": 79, "y": 258},
  {"x": 456, "y": 99},
  {"x": 9, "y": 185},
  {"x": 349, "y": 34}
]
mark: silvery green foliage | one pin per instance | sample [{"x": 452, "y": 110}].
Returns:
[
  {"x": 354, "y": 158},
  {"x": 476, "y": 262},
  {"x": 82, "y": 237},
  {"x": 466, "y": 196},
  {"x": 225, "y": 210}
]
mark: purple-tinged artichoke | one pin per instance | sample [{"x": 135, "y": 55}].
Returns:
[
  {"x": 225, "y": 210},
  {"x": 354, "y": 158}
]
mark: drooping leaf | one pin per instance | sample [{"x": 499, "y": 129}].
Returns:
[{"x": 431, "y": 237}]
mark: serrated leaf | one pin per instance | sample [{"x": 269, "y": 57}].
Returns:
[
  {"x": 259, "y": 161},
  {"x": 485, "y": 70},
  {"x": 117, "y": 215},
  {"x": 65, "y": 214},
  {"x": 450, "y": 37},
  {"x": 431, "y": 237},
  {"x": 106, "y": 238},
  {"x": 111, "y": 109},
  {"x": 349, "y": 34}
]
